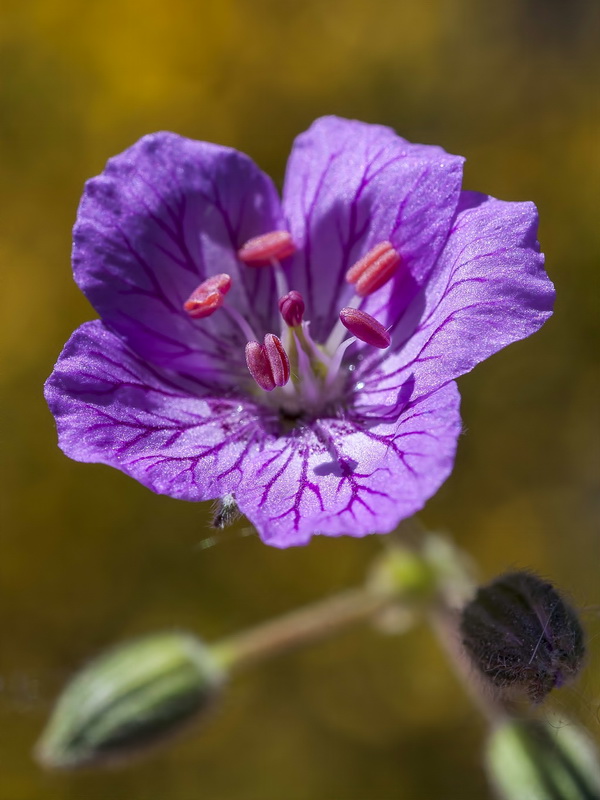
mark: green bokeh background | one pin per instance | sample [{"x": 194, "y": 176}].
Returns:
[{"x": 88, "y": 557}]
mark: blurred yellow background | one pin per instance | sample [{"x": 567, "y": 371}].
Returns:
[{"x": 89, "y": 557}]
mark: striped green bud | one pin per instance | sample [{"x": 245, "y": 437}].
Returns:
[
  {"x": 530, "y": 760},
  {"x": 128, "y": 698}
]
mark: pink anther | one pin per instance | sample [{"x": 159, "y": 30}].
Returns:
[
  {"x": 208, "y": 297},
  {"x": 291, "y": 306},
  {"x": 261, "y": 250},
  {"x": 268, "y": 363},
  {"x": 374, "y": 269},
  {"x": 365, "y": 327}
]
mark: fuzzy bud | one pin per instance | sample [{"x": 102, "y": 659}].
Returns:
[{"x": 522, "y": 635}]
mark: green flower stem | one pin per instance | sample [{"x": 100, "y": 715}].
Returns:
[
  {"x": 309, "y": 624},
  {"x": 455, "y": 587},
  {"x": 444, "y": 621},
  {"x": 434, "y": 579}
]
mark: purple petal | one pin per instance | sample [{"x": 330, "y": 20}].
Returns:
[
  {"x": 113, "y": 408},
  {"x": 350, "y": 186},
  {"x": 163, "y": 216},
  {"x": 354, "y": 477},
  {"x": 489, "y": 289}
]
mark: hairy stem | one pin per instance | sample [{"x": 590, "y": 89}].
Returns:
[{"x": 309, "y": 624}]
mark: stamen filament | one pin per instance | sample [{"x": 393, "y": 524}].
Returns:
[
  {"x": 306, "y": 375},
  {"x": 280, "y": 279},
  {"x": 336, "y": 361},
  {"x": 339, "y": 332},
  {"x": 242, "y": 323}
]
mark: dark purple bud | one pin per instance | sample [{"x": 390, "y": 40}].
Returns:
[
  {"x": 291, "y": 306},
  {"x": 268, "y": 363},
  {"x": 522, "y": 635},
  {"x": 365, "y": 327}
]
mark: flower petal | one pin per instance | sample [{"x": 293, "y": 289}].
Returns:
[
  {"x": 356, "y": 476},
  {"x": 165, "y": 215},
  {"x": 489, "y": 289},
  {"x": 113, "y": 408},
  {"x": 350, "y": 186}
]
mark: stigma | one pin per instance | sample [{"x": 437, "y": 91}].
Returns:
[{"x": 291, "y": 308}]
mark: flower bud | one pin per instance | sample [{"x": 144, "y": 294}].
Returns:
[
  {"x": 522, "y": 635},
  {"x": 130, "y": 697},
  {"x": 534, "y": 761}
]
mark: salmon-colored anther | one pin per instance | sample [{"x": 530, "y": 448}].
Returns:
[
  {"x": 365, "y": 327},
  {"x": 261, "y": 250},
  {"x": 268, "y": 363},
  {"x": 374, "y": 269},
  {"x": 208, "y": 297}
]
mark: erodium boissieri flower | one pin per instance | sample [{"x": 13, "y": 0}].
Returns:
[{"x": 298, "y": 355}]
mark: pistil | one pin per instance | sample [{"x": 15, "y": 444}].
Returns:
[
  {"x": 318, "y": 377},
  {"x": 291, "y": 307}
]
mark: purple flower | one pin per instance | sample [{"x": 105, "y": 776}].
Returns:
[{"x": 249, "y": 384}]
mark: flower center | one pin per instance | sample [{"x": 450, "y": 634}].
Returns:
[{"x": 291, "y": 371}]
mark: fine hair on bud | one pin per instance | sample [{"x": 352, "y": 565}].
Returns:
[{"x": 522, "y": 635}]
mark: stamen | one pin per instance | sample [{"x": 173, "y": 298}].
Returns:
[
  {"x": 268, "y": 363},
  {"x": 365, "y": 327},
  {"x": 306, "y": 377},
  {"x": 336, "y": 361},
  {"x": 242, "y": 323},
  {"x": 261, "y": 250},
  {"x": 208, "y": 297},
  {"x": 291, "y": 306},
  {"x": 338, "y": 332},
  {"x": 281, "y": 283},
  {"x": 374, "y": 269},
  {"x": 278, "y": 359}
]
